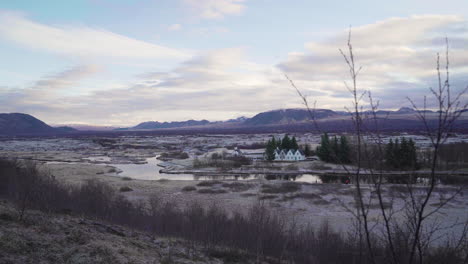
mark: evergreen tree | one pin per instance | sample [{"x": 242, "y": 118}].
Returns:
[
  {"x": 278, "y": 143},
  {"x": 307, "y": 151},
  {"x": 335, "y": 150},
  {"x": 343, "y": 155},
  {"x": 389, "y": 154},
  {"x": 396, "y": 154},
  {"x": 294, "y": 144},
  {"x": 270, "y": 150},
  {"x": 401, "y": 154},
  {"x": 324, "y": 150},
  {"x": 413, "y": 158},
  {"x": 286, "y": 142}
]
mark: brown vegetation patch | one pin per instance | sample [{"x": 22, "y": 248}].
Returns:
[
  {"x": 237, "y": 186},
  {"x": 286, "y": 187},
  {"x": 209, "y": 183},
  {"x": 267, "y": 197},
  {"x": 212, "y": 191},
  {"x": 125, "y": 189},
  {"x": 189, "y": 188}
]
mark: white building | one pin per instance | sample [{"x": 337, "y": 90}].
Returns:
[
  {"x": 289, "y": 155},
  {"x": 236, "y": 152}
]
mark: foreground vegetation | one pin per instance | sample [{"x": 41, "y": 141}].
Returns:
[{"x": 259, "y": 235}]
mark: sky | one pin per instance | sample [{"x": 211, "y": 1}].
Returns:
[{"x": 122, "y": 62}]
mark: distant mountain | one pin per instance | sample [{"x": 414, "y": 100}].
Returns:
[
  {"x": 158, "y": 125},
  {"x": 288, "y": 119},
  {"x": 81, "y": 127},
  {"x": 17, "y": 124},
  {"x": 283, "y": 120},
  {"x": 285, "y": 116}
]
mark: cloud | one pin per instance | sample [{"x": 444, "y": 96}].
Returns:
[
  {"x": 225, "y": 83},
  {"x": 397, "y": 55},
  {"x": 78, "y": 41},
  {"x": 175, "y": 27},
  {"x": 215, "y": 9},
  {"x": 67, "y": 78},
  {"x": 217, "y": 85},
  {"x": 205, "y": 31}
]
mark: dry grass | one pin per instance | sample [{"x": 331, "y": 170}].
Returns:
[
  {"x": 211, "y": 191},
  {"x": 125, "y": 189},
  {"x": 268, "y": 197},
  {"x": 208, "y": 183},
  {"x": 237, "y": 186},
  {"x": 286, "y": 187},
  {"x": 189, "y": 188}
]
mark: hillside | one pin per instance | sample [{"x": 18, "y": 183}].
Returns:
[
  {"x": 18, "y": 124},
  {"x": 57, "y": 238},
  {"x": 285, "y": 116},
  {"x": 158, "y": 125},
  {"x": 283, "y": 120}
]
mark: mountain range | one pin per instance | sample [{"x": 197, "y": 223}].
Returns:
[
  {"x": 18, "y": 123},
  {"x": 282, "y": 120}
]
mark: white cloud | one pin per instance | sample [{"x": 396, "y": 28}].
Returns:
[
  {"x": 67, "y": 78},
  {"x": 224, "y": 83},
  {"x": 175, "y": 27},
  {"x": 397, "y": 55},
  {"x": 215, "y": 9},
  {"x": 78, "y": 41}
]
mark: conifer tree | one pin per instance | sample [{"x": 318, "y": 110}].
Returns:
[
  {"x": 294, "y": 144},
  {"x": 335, "y": 150},
  {"x": 413, "y": 159},
  {"x": 344, "y": 153},
  {"x": 270, "y": 150},
  {"x": 286, "y": 142},
  {"x": 307, "y": 151},
  {"x": 324, "y": 150},
  {"x": 389, "y": 154}
]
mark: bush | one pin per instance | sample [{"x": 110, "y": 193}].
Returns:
[
  {"x": 189, "y": 188},
  {"x": 237, "y": 186},
  {"x": 285, "y": 187},
  {"x": 208, "y": 183},
  {"x": 125, "y": 189},
  {"x": 212, "y": 191},
  {"x": 257, "y": 231}
]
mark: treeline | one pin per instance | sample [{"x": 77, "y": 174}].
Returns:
[
  {"x": 258, "y": 234},
  {"x": 401, "y": 154},
  {"x": 334, "y": 150},
  {"x": 451, "y": 156}
]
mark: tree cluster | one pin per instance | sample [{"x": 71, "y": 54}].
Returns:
[
  {"x": 401, "y": 154},
  {"x": 286, "y": 143},
  {"x": 334, "y": 150}
]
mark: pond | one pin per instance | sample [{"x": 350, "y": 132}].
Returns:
[{"x": 150, "y": 171}]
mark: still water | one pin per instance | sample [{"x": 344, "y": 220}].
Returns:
[{"x": 150, "y": 171}]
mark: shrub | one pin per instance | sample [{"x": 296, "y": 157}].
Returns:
[
  {"x": 189, "y": 188},
  {"x": 285, "y": 187},
  {"x": 125, "y": 189},
  {"x": 237, "y": 186},
  {"x": 208, "y": 183},
  {"x": 212, "y": 191}
]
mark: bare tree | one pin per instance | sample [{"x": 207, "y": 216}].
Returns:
[{"x": 449, "y": 108}]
